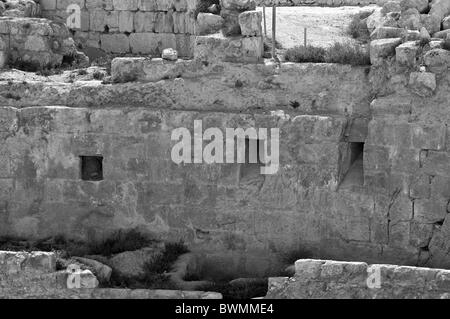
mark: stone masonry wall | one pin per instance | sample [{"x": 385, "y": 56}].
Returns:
[
  {"x": 328, "y": 279},
  {"x": 33, "y": 276},
  {"x": 136, "y": 26}
]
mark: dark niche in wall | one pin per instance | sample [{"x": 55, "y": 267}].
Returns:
[{"x": 91, "y": 168}]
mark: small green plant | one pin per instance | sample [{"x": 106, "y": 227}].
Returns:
[
  {"x": 357, "y": 28},
  {"x": 309, "y": 53},
  {"x": 424, "y": 41},
  {"x": 120, "y": 241},
  {"x": 347, "y": 53}
]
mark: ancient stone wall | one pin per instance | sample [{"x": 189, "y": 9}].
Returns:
[
  {"x": 322, "y": 3},
  {"x": 328, "y": 279},
  {"x": 136, "y": 26},
  {"x": 34, "y": 276}
]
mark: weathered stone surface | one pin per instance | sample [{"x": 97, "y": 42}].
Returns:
[
  {"x": 208, "y": 23},
  {"x": 102, "y": 272},
  {"x": 170, "y": 54},
  {"x": 208, "y": 48},
  {"x": 250, "y": 23},
  {"x": 131, "y": 263},
  {"x": 391, "y": 6},
  {"x": 382, "y": 49},
  {"x": 387, "y": 32},
  {"x": 238, "y": 5},
  {"x": 357, "y": 280},
  {"x": 410, "y": 19},
  {"x": 407, "y": 53},
  {"x": 437, "y": 60},
  {"x": 420, "y": 5},
  {"x": 446, "y": 23}
]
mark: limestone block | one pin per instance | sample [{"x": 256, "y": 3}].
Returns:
[
  {"x": 440, "y": 8},
  {"x": 164, "y": 22},
  {"x": 208, "y": 23},
  {"x": 382, "y": 49},
  {"x": 437, "y": 60},
  {"x": 48, "y": 4},
  {"x": 430, "y": 22},
  {"x": 144, "y": 21},
  {"x": 145, "y": 43},
  {"x": 387, "y": 32},
  {"x": 180, "y": 5},
  {"x": 3, "y": 59},
  {"x": 179, "y": 22},
  {"x": 442, "y": 34},
  {"x": 429, "y": 211},
  {"x": 164, "y": 5},
  {"x": 410, "y": 19},
  {"x": 238, "y": 5},
  {"x": 446, "y": 23},
  {"x": 250, "y": 23},
  {"x": 126, "y": 21},
  {"x": 115, "y": 43},
  {"x": 125, "y": 5},
  {"x": 99, "y": 19},
  {"x": 420, "y": 5},
  {"x": 422, "y": 83},
  {"x": 147, "y": 5},
  {"x": 406, "y": 53},
  {"x": 169, "y": 54},
  {"x": 99, "y": 4},
  {"x": 391, "y": 6}
]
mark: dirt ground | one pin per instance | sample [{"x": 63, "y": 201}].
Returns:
[{"x": 325, "y": 25}]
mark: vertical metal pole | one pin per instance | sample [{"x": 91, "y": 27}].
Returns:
[
  {"x": 305, "y": 37},
  {"x": 264, "y": 17},
  {"x": 274, "y": 28}
]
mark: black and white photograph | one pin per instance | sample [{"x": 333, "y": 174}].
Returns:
[{"x": 226, "y": 156}]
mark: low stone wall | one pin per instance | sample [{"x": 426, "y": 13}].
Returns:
[
  {"x": 33, "y": 275},
  {"x": 337, "y": 280},
  {"x": 141, "y": 27},
  {"x": 322, "y": 3},
  {"x": 33, "y": 43}
]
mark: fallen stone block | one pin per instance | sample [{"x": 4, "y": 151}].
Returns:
[
  {"x": 410, "y": 19},
  {"x": 388, "y": 32},
  {"x": 437, "y": 60},
  {"x": 208, "y": 23},
  {"x": 382, "y": 49},
  {"x": 170, "y": 54},
  {"x": 250, "y": 23},
  {"x": 422, "y": 83},
  {"x": 406, "y": 53},
  {"x": 391, "y": 6},
  {"x": 146, "y": 70},
  {"x": 420, "y": 5},
  {"x": 446, "y": 23},
  {"x": 236, "y": 49},
  {"x": 442, "y": 34},
  {"x": 430, "y": 22}
]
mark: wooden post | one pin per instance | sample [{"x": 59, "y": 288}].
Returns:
[
  {"x": 305, "y": 37},
  {"x": 264, "y": 18},
  {"x": 274, "y": 28}
]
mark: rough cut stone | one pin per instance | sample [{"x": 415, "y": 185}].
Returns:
[
  {"x": 420, "y": 5},
  {"x": 250, "y": 23},
  {"x": 437, "y": 60},
  {"x": 406, "y": 53},
  {"x": 410, "y": 19},
  {"x": 170, "y": 54},
  {"x": 238, "y": 5},
  {"x": 208, "y": 23},
  {"x": 387, "y": 32},
  {"x": 382, "y": 49},
  {"x": 422, "y": 83},
  {"x": 446, "y": 23}
]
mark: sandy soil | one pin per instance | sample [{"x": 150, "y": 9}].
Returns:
[{"x": 324, "y": 25}]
